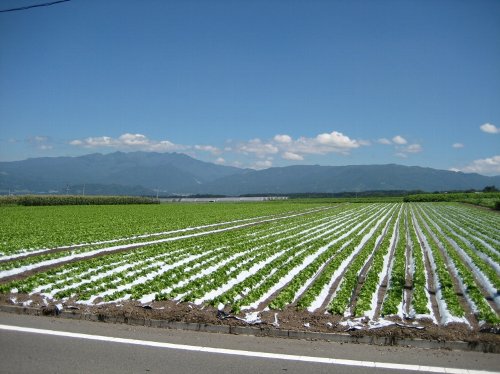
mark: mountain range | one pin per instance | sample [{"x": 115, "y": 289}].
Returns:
[{"x": 145, "y": 173}]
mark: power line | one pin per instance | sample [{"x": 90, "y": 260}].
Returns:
[{"x": 33, "y": 6}]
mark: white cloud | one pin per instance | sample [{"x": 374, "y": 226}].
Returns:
[
  {"x": 258, "y": 152},
  {"x": 128, "y": 141},
  {"x": 292, "y": 156},
  {"x": 457, "y": 145},
  {"x": 489, "y": 128},
  {"x": 486, "y": 166},
  {"x": 401, "y": 146},
  {"x": 133, "y": 140},
  {"x": 413, "y": 148},
  {"x": 398, "y": 139},
  {"x": 164, "y": 146},
  {"x": 404, "y": 151},
  {"x": 384, "y": 141},
  {"x": 294, "y": 150},
  {"x": 334, "y": 142},
  {"x": 337, "y": 140},
  {"x": 220, "y": 161},
  {"x": 257, "y": 147},
  {"x": 94, "y": 142},
  {"x": 208, "y": 148},
  {"x": 283, "y": 139},
  {"x": 263, "y": 164}
]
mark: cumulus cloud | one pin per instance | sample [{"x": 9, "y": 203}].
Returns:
[
  {"x": 486, "y": 166},
  {"x": 128, "y": 141},
  {"x": 258, "y": 153},
  {"x": 334, "y": 142},
  {"x": 283, "y": 139},
  {"x": 457, "y": 145},
  {"x": 295, "y": 150},
  {"x": 257, "y": 147},
  {"x": 164, "y": 146},
  {"x": 398, "y": 139},
  {"x": 337, "y": 140},
  {"x": 262, "y": 164},
  {"x": 403, "y": 151},
  {"x": 208, "y": 148},
  {"x": 133, "y": 140},
  {"x": 384, "y": 141},
  {"x": 413, "y": 148},
  {"x": 94, "y": 142},
  {"x": 489, "y": 128},
  {"x": 292, "y": 156},
  {"x": 401, "y": 146}
]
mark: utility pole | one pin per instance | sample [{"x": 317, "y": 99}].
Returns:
[{"x": 83, "y": 192}]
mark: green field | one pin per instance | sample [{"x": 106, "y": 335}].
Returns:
[
  {"x": 437, "y": 261},
  {"x": 51, "y": 226}
]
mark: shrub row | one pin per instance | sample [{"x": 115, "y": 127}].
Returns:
[{"x": 39, "y": 200}]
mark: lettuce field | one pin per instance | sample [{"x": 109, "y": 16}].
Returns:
[{"x": 436, "y": 262}]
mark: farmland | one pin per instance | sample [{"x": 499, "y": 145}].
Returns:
[{"x": 336, "y": 265}]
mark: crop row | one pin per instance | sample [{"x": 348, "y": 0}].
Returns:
[
  {"x": 34, "y": 228},
  {"x": 332, "y": 258},
  {"x": 144, "y": 256},
  {"x": 314, "y": 297},
  {"x": 324, "y": 264},
  {"x": 463, "y": 273}
]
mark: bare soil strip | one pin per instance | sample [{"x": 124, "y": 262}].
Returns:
[
  {"x": 384, "y": 284},
  {"x": 408, "y": 290},
  {"x": 431, "y": 286},
  {"x": 288, "y": 319}
]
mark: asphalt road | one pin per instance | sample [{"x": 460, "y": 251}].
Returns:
[{"x": 147, "y": 350}]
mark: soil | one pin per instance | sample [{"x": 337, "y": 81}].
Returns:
[{"x": 288, "y": 319}]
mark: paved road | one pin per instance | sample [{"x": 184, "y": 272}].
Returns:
[{"x": 148, "y": 350}]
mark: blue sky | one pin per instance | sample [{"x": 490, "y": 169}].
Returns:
[{"x": 255, "y": 83}]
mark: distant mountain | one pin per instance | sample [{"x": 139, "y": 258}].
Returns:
[
  {"x": 331, "y": 179},
  {"x": 169, "y": 172},
  {"x": 140, "y": 173}
]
